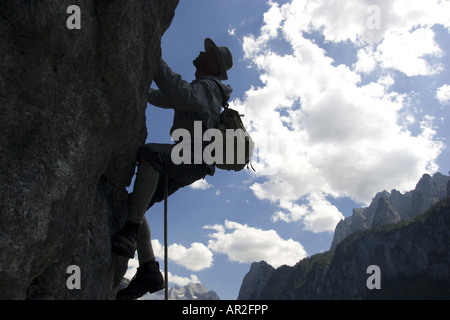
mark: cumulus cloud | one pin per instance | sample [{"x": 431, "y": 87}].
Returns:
[
  {"x": 201, "y": 184},
  {"x": 443, "y": 94},
  {"x": 359, "y": 21},
  {"x": 182, "y": 281},
  {"x": 318, "y": 215},
  {"x": 336, "y": 136},
  {"x": 407, "y": 52},
  {"x": 195, "y": 258},
  {"x": 246, "y": 244}
]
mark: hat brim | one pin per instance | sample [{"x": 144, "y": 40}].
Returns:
[{"x": 211, "y": 46}]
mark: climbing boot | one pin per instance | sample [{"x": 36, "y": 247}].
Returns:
[
  {"x": 148, "y": 278},
  {"x": 125, "y": 242}
]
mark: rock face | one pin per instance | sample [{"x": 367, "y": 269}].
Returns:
[
  {"x": 255, "y": 280},
  {"x": 394, "y": 207},
  {"x": 72, "y": 119}
]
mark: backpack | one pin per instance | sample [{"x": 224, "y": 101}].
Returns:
[{"x": 236, "y": 135}]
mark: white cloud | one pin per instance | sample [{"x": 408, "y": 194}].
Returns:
[
  {"x": 201, "y": 184},
  {"x": 246, "y": 244},
  {"x": 195, "y": 258},
  {"x": 272, "y": 20},
  {"x": 318, "y": 216},
  {"x": 406, "y": 52},
  {"x": 443, "y": 94},
  {"x": 323, "y": 215},
  {"x": 367, "y": 61},
  {"x": 182, "y": 281},
  {"x": 335, "y": 136},
  {"x": 353, "y": 20},
  {"x": 232, "y": 31},
  {"x": 393, "y": 41}
]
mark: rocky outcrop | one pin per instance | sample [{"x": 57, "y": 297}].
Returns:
[
  {"x": 255, "y": 280},
  {"x": 72, "y": 119},
  {"x": 413, "y": 259},
  {"x": 394, "y": 207},
  {"x": 384, "y": 214}
]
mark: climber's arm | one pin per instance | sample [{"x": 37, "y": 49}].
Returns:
[
  {"x": 158, "y": 99},
  {"x": 183, "y": 96}
]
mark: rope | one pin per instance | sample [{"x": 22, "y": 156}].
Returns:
[{"x": 166, "y": 273}]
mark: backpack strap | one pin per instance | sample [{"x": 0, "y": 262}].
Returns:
[{"x": 224, "y": 100}]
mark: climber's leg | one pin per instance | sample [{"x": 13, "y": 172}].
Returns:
[
  {"x": 144, "y": 244},
  {"x": 148, "y": 277},
  {"x": 143, "y": 190},
  {"x": 125, "y": 242}
]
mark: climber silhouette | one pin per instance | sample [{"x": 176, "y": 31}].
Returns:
[{"x": 199, "y": 100}]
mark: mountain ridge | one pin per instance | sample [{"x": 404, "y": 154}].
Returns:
[
  {"x": 193, "y": 291},
  {"x": 401, "y": 206},
  {"x": 413, "y": 256}
]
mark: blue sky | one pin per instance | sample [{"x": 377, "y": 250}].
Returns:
[{"x": 343, "y": 98}]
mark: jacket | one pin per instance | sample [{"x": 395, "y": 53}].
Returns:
[{"x": 200, "y": 99}]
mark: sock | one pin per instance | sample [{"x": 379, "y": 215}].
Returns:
[
  {"x": 143, "y": 190},
  {"x": 144, "y": 244}
]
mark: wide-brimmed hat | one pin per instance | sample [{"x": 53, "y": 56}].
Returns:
[{"x": 223, "y": 55}]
